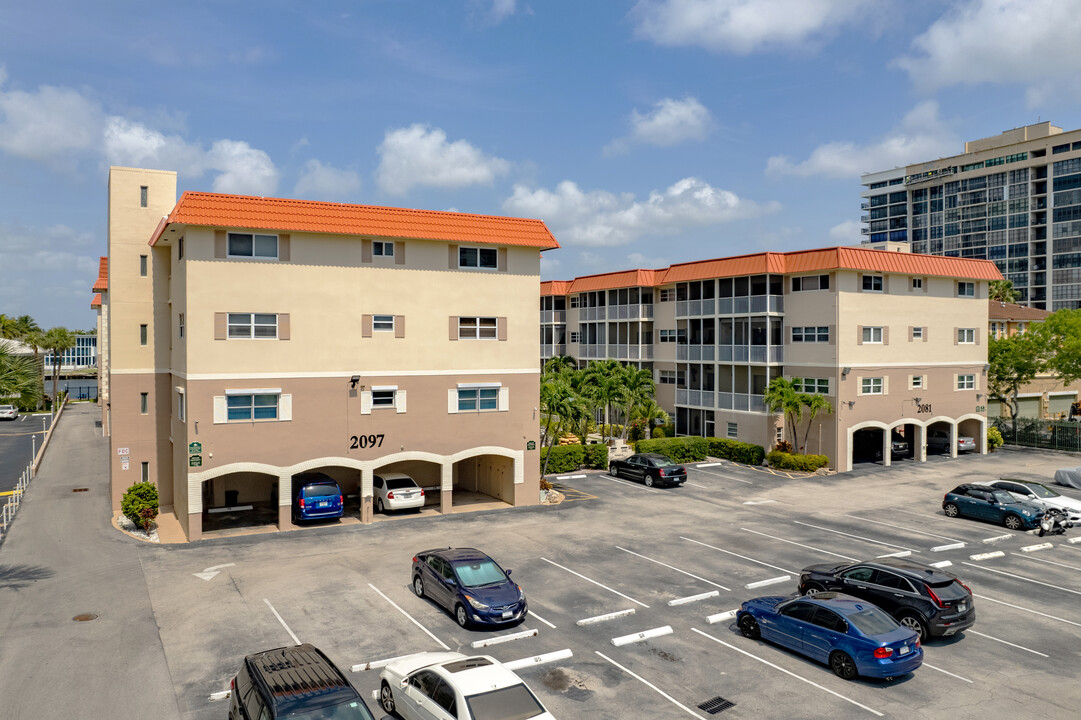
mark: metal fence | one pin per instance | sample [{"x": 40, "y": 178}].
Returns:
[
  {"x": 12, "y": 501},
  {"x": 1048, "y": 434}
]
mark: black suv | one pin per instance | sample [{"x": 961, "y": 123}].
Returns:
[
  {"x": 297, "y": 681},
  {"x": 920, "y": 597}
]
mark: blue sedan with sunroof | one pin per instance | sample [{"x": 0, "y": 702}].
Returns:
[
  {"x": 471, "y": 585},
  {"x": 850, "y": 635}
]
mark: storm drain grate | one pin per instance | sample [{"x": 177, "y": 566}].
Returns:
[
  {"x": 716, "y": 705},
  {"x": 80, "y": 489}
]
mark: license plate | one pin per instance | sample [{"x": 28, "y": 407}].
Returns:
[
  {"x": 962, "y": 607},
  {"x": 905, "y": 650},
  {"x": 507, "y": 614},
  {"x": 324, "y": 504}
]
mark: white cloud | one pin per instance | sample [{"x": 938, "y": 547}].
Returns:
[
  {"x": 1030, "y": 42},
  {"x": 418, "y": 156},
  {"x": 600, "y": 218},
  {"x": 241, "y": 168},
  {"x": 846, "y": 233},
  {"x": 671, "y": 122},
  {"x": 51, "y": 271},
  {"x": 742, "y": 26},
  {"x": 49, "y": 123},
  {"x": 639, "y": 260},
  {"x": 921, "y": 136},
  {"x": 324, "y": 182}
]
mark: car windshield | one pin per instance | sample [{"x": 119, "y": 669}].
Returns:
[
  {"x": 510, "y": 703},
  {"x": 1041, "y": 491},
  {"x": 321, "y": 491},
  {"x": 475, "y": 573},
  {"x": 872, "y": 621},
  {"x": 353, "y": 710},
  {"x": 662, "y": 462},
  {"x": 1001, "y": 496},
  {"x": 400, "y": 483}
]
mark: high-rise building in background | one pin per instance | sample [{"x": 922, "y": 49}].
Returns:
[{"x": 1014, "y": 198}]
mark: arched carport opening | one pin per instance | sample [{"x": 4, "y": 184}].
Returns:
[
  {"x": 941, "y": 436},
  {"x": 481, "y": 479},
  {"x": 904, "y": 441},
  {"x": 427, "y": 474},
  {"x": 867, "y": 445},
  {"x": 348, "y": 479},
  {"x": 975, "y": 428},
  {"x": 243, "y": 499}
]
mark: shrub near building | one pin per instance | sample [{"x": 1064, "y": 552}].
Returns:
[
  {"x": 788, "y": 461},
  {"x": 697, "y": 449}
]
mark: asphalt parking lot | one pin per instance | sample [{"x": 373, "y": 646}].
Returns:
[
  {"x": 616, "y": 546},
  {"x": 17, "y": 438}
]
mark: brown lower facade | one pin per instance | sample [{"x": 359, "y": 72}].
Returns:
[{"x": 204, "y": 458}]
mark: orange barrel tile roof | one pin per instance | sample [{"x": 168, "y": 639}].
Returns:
[
  {"x": 555, "y": 287},
  {"x": 102, "y": 283},
  {"x": 258, "y": 213},
  {"x": 96, "y": 302},
  {"x": 611, "y": 281}
]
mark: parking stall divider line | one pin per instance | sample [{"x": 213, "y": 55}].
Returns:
[
  {"x": 721, "y": 617},
  {"x": 1049, "y": 562},
  {"x": 617, "y": 592},
  {"x": 951, "y": 546},
  {"x": 621, "y": 481},
  {"x": 1022, "y": 577},
  {"x": 858, "y": 537},
  {"x": 902, "y": 527},
  {"x": 725, "y": 477},
  {"x": 705, "y": 465},
  {"x": 604, "y": 618},
  {"x": 759, "y": 502},
  {"x": 670, "y": 567},
  {"x": 287, "y": 628},
  {"x": 1004, "y": 642},
  {"x": 793, "y": 542},
  {"x": 411, "y": 618},
  {"x": 503, "y": 638},
  {"x": 987, "y": 555},
  {"x": 729, "y": 552},
  {"x": 693, "y": 598},
  {"x": 787, "y": 672},
  {"x": 375, "y": 664},
  {"x": 1028, "y": 610},
  {"x": 771, "y": 581},
  {"x": 697, "y": 485},
  {"x": 922, "y": 515},
  {"x": 641, "y": 636},
  {"x": 946, "y": 672},
  {"x": 539, "y": 659},
  {"x": 542, "y": 620},
  {"x": 653, "y": 687}
]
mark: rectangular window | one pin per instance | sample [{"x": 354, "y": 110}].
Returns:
[
  {"x": 383, "y": 398},
  {"x": 668, "y": 377},
  {"x": 381, "y": 248},
  {"x": 574, "y": 301},
  {"x": 181, "y": 406},
  {"x": 180, "y": 326},
  {"x": 144, "y": 195},
  {"x": 917, "y": 333},
  {"x": 917, "y": 382},
  {"x": 872, "y": 283},
  {"x": 142, "y": 335},
  {"x": 966, "y": 382},
  {"x": 966, "y": 289},
  {"x": 818, "y": 334},
  {"x": 668, "y": 294},
  {"x": 819, "y": 386},
  {"x": 144, "y": 403},
  {"x": 180, "y": 249},
  {"x": 1020, "y": 327},
  {"x": 144, "y": 471},
  {"x": 253, "y": 245},
  {"x": 383, "y": 323},
  {"x": 471, "y": 257},
  {"x": 917, "y": 283},
  {"x": 476, "y": 328},
  {"x": 257, "y": 406},
  {"x": 142, "y": 265},
  {"x": 966, "y": 336},
  {"x": 811, "y": 282},
  {"x": 575, "y": 337},
  {"x": 669, "y": 336},
  {"x": 872, "y": 335},
  {"x": 733, "y": 430},
  {"x": 871, "y": 386},
  {"x": 253, "y": 325},
  {"x": 478, "y": 399}
]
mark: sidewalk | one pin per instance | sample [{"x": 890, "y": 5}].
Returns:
[{"x": 63, "y": 559}]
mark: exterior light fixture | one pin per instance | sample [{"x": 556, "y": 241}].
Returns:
[
  {"x": 845, "y": 371},
  {"x": 353, "y": 381}
]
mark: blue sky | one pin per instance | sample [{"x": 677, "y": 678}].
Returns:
[{"x": 644, "y": 133}]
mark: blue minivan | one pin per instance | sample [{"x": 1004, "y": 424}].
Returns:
[{"x": 316, "y": 496}]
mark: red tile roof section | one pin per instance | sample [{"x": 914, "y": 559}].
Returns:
[
  {"x": 257, "y": 213},
  {"x": 555, "y": 287},
  {"x": 998, "y": 310},
  {"x": 611, "y": 281},
  {"x": 102, "y": 282},
  {"x": 96, "y": 302},
  {"x": 725, "y": 267}
]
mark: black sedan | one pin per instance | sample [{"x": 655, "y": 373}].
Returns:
[{"x": 650, "y": 468}]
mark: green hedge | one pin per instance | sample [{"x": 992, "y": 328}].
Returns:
[
  {"x": 736, "y": 451},
  {"x": 565, "y": 458},
  {"x": 596, "y": 456},
  {"x": 788, "y": 461}
]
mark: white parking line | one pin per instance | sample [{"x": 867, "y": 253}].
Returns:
[
  {"x": 858, "y": 537},
  {"x": 787, "y": 672},
  {"x": 729, "y": 552},
  {"x": 287, "y": 628},
  {"x": 705, "y": 465},
  {"x": 945, "y": 672},
  {"x": 901, "y": 527},
  {"x": 670, "y": 567},
  {"x": 653, "y": 687},
  {"x": 617, "y": 592},
  {"x": 922, "y": 515},
  {"x": 793, "y": 542},
  {"x": 542, "y": 619},
  {"x": 621, "y": 481},
  {"x": 697, "y": 485},
  {"x": 1019, "y": 647},
  {"x": 1022, "y": 577},
  {"x": 726, "y": 477},
  {"x": 1049, "y": 562},
  {"x": 1028, "y": 610},
  {"x": 411, "y": 618}
]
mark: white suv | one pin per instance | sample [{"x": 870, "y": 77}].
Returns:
[
  {"x": 449, "y": 684},
  {"x": 8, "y": 412}
]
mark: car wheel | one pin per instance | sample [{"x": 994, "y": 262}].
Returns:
[
  {"x": 379, "y": 508},
  {"x": 386, "y": 698},
  {"x": 612, "y": 470},
  {"x": 460, "y": 615},
  {"x": 649, "y": 480},
  {"x": 914, "y": 622},
  {"x": 418, "y": 586},
  {"x": 951, "y": 510},
  {"x": 749, "y": 627},
  {"x": 1012, "y": 522},
  {"x": 842, "y": 665},
  {"x": 812, "y": 588}
]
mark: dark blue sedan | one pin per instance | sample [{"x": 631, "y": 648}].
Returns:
[
  {"x": 851, "y": 635},
  {"x": 470, "y": 585}
]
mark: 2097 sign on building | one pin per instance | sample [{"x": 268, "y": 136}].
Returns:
[{"x": 365, "y": 441}]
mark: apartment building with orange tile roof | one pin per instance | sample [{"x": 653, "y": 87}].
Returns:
[
  {"x": 897, "y": 342},
  {"x": 272, "y": 337}
]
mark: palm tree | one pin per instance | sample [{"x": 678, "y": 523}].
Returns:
[
  {"x": 606, "y": 380},
  {"x": 781, "y": 397},
  {"x": 651, "y": 412},
  {"x": 56, "y": 341},
  {"x": 1003, "y": 291},
  {"x": 35, "y": 340},
  {"x": 638, "y": 388},
  {"x": 24, "y": 324},
  {"x": 8, "y": 327},
  {"x": 18, "y": 375},
  {"x": 563, "y": 407},
  {"x": 815, "y": 404}
]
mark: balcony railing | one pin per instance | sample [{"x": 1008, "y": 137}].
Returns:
[
  {"x": 724, "y": 400},
  {"x": 696, "y": 353},
  {"x": 630, "y": 312},
  {"x": 548, "y": 316},
  {"x": 551, "y": 350},
  {"x": 593, "y": 313}
]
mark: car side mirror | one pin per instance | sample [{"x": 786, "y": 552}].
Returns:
[
  {"x": 508, "y": 573},
  {"x": 1031, "y": 496},
  {"x": 451, "y": 581}
]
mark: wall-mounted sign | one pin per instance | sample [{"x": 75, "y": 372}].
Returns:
[
  {"x": 123, "y": 466},
  {"x": 195, "y": 448},
  {"x": 531, "y": 445},
  {"x": 195, "y": 461},
  {"x": 125, "y": 459},
  {"x": 123, "y": 451},
  {"x": 981, "y": 408}
]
